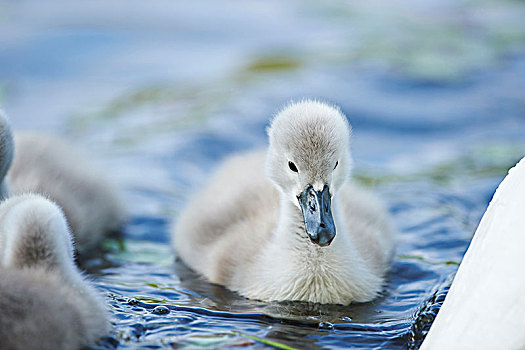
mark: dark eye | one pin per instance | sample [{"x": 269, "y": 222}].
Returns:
[
  {"x": 293, "y": 167},
  {"x": 336, "y": 164}
]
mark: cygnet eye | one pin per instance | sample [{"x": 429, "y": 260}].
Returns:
[
  {"x": 336, "y": 164},
  {"x": 293, "y": 167}
]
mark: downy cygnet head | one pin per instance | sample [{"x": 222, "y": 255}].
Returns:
[{"x": 308, "y": 160}]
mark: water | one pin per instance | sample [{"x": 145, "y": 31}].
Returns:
[{"x": 161, "y": 92}]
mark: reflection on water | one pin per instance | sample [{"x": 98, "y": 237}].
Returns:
[{"x": 162, "y": 93}]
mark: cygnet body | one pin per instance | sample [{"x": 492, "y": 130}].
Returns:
[
  {"x": 288, "y": 224},
  {"x": 43, "y": 164},
  {"x": 45, "y": 302}
]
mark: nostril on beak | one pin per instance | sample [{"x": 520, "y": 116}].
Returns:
[{"x": 322, "y": 225}]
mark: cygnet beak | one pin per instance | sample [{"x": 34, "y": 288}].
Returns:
[{"x": 317, "y": 215}]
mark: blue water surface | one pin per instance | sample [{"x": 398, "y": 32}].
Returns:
[{"x": 161, "y": 92}]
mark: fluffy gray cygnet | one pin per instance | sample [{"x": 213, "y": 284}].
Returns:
[
  {"x": 42, "y": 164},
  {"x": 45, "y": 302},
  {"x": 288, "y": 224}
]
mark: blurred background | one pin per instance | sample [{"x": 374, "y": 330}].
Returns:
[{"x": 159, "y": 92}]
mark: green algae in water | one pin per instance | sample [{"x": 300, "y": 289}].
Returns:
[
  {"x": 249, "y": 336},
  {"x": 483, "y": 160},
  {"x": 168, "y": 108},
  {"x": 181, "y": 106},
  {"x": 141, "y": 251},
  {"x": 455, "y": 41},
  {"x": 425, "y": 260},
  {"x": 273, "y": 64}
]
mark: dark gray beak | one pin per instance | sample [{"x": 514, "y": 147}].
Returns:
[{"x": 317, "y": 215}]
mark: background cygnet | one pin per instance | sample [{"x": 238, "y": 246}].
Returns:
[
  {"x": 43, "y": 164},
  {"x": 45, "y": 302}
]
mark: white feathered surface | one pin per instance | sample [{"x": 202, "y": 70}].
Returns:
[{"x": 485, "y": 306}]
